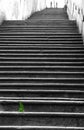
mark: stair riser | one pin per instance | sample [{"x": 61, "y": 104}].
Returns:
[
  {"x": 20, "y": 30},
  {"x": 39, "y": 23},
  {"x": 58, "y": 75},
  {"x": 17, "y": 41},
  {"x": 36, "y": 81},
  {"x": 40, "y": 48},
  {"x": 42, "y": 87},
  {"x": 40, "y": 69},
  {"x": 19, "y": 51},
  {"x": 42, "y": 36},
  {"x": 38, "y": 128},
  {"x": 48, "y": 35},
  {"x": 43, "y": 62},
  {"x": 39, "y": 39},
  {"x": 41, "y": 120},
  {"x": 36, "y": 21},
  {"x": 32, "y": 26},
  {"x": 39, "y": 64},
  {"x": 42, "y": 107},
  {"x": 54, "y": 17},
  {"x": 42, "y": 42},
  {"x": 41, "y": 94},
  {"x": 44, "y": 58},
  {"x": 37, "y": 27}
]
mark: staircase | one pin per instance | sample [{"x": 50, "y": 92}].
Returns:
[{"x": 42, "y": 67}]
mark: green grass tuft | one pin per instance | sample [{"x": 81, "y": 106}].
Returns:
[{"x": 21, "y": 107}]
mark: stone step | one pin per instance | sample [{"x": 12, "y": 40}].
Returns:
[
  {"x": 39, "y": 33},
  {"x": 40, "y": 50},
  {"x": 42, "y": 104},
  {"x": 40, "y": 80},
  {"x": 40, "y": 128},
  {"x": 76, "y": 95},
  {"x": 42, "y": 119},
  {"x": 36, "y": 31},
  {"x": 59, "y": 58},
  {"x": 39, "y": 63},
  {"x": 41, "y": 86},
  {"x": 41, "y": 36},
  {"x": 70, "y": 74},
  {"x": 16, "y": 22},
  {"x": 44, "y": 27},
  {"x": 45, "y": 47},
  {"x": 43, "y": 42},
  {"x": 39, "y": 39}
]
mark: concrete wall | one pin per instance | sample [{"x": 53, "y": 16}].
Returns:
[
  {"x": 83, "y": 18},
  {"x": 9, "y": 8},
  {"x": 19, "y": 9},
  {"x": 75, "y": 12},
  {"x": 22, "y": 9}
]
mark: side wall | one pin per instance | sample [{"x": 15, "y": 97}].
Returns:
[
  {"x": 19, "y": 9},
  {"x": 22, "y": 9},
  {"x": 75, "y": 10}
]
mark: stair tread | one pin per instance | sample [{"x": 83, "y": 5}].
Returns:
[
  {"x": 43, "y": 114},
  {"x": 42, "y": 127},
  {"x": 39, "y": 99},
  {"x": 42, "y": 84},
  {"x": 53, "y": 66},
  {"x": 42, "y": 72},
  {"x": 76, "y": 53},
  {"x": 41, "y": 78}
]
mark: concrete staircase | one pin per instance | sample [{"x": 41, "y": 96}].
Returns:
[{"x": 42, "y": 67}]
